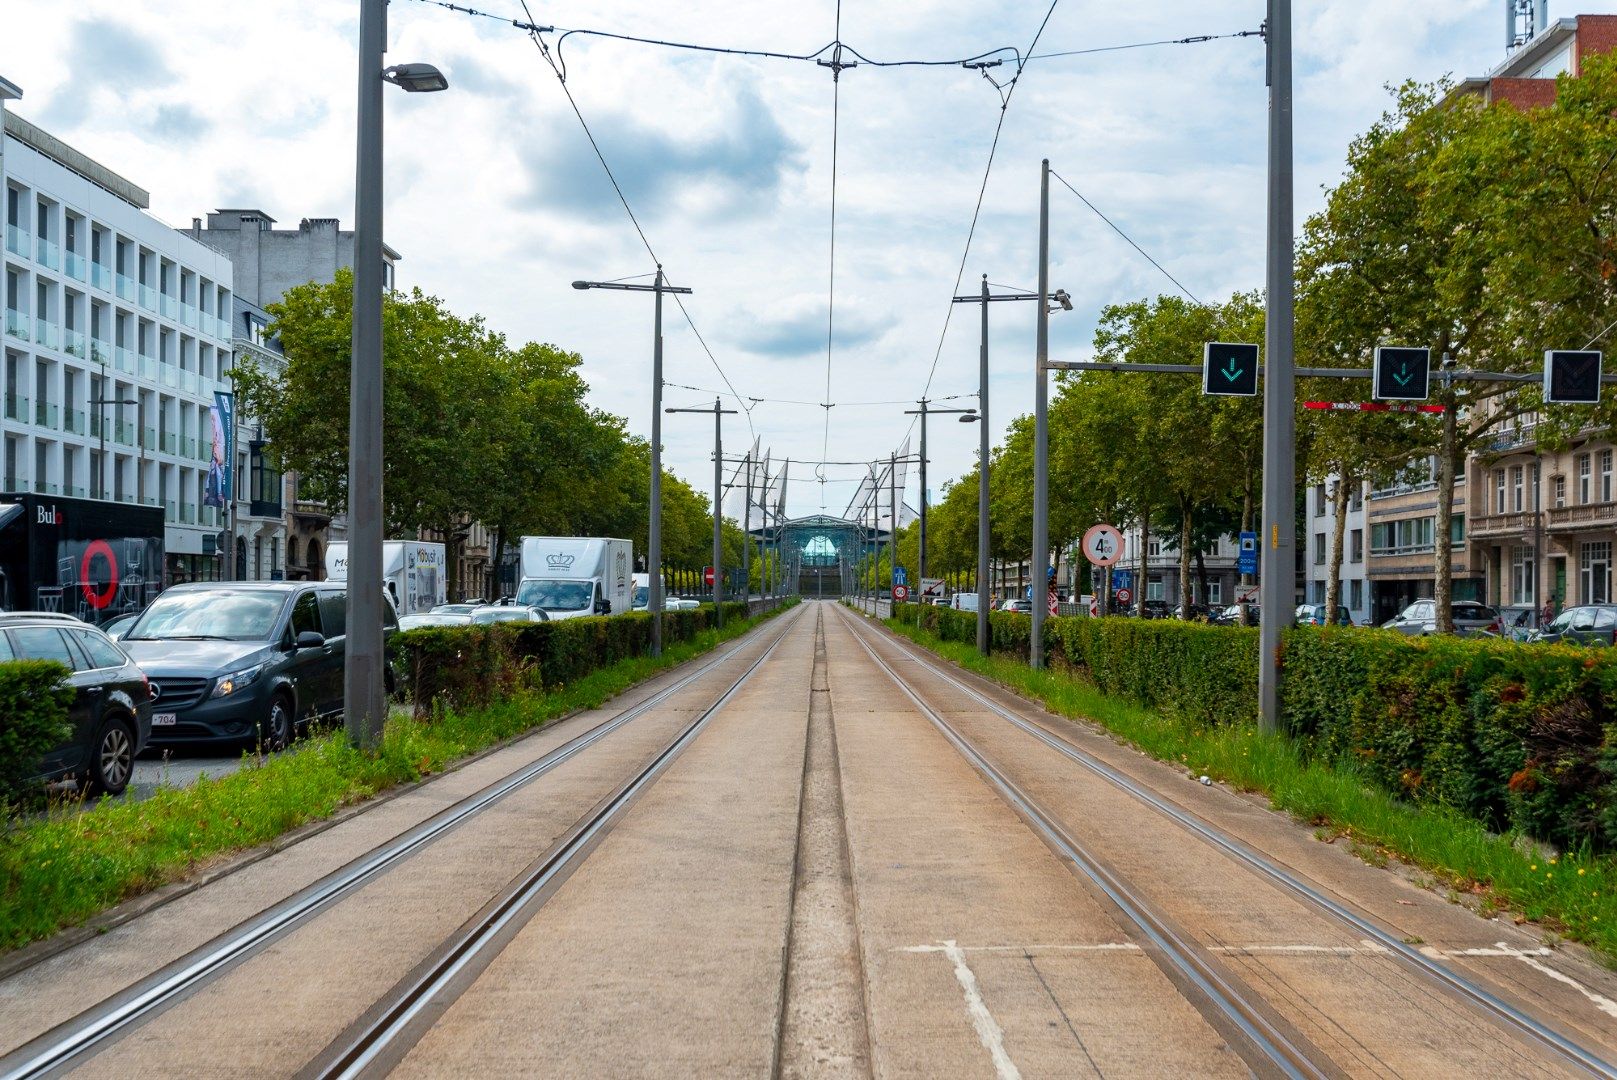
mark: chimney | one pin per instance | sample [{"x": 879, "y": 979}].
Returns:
[{"x": 196, "y": 228}]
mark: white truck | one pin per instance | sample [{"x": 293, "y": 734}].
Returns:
[
  {"x": 414, "y": 572},
  {"x": 571, "y": 576}
]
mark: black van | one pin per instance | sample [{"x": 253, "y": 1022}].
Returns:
[{"x": 235, "y": 662}]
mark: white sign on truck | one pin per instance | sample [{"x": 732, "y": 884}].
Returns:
[
  {"x": 572, "y": 576},
  {"x": 414, "y": 572}
]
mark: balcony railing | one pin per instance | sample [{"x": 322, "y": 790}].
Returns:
[
  {"x": 1576, "y": 517},
  {"x": 16, "y": 407},
  {"x": 126, "y": 287},
  {"x": 100, "y": 351},
  {"x": 17, "y": 241},
  {"x": 47, "y": 414},
  {"x": 124, "y": 359},
  {"x": 168, "y": 442},
  {"x": 188, "y": 513},
  {"x": 73, "y": 343},
  {"x": 123, "y": 431},
  {"x": 46, "y": 334},
  {"x": 148, "y": 439},
  {"x": 188, "y": 380},
  {"x": 73, "y": 421},
  {"x": 73, "y": 492},
  {"x": 148, "y": 297},
  {"x": 45, "y": 488},
  {"x": 101, "y": 276},
  {"x": 75, "y": 264},
  {"x": 188, "y": 446},
  {"x": 171, "y": 512},
  {"x": 168, "y": 305},
  {"x": 47, "y": 253},
  {"x": 17, "y": 323},
  {"x": 148, "y": 367},
  {"x": 188, "y": 315}
]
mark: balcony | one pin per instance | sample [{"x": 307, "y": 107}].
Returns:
[
  {"x": 101, "y": 276},
  {"x": 168, "y": 442},
  {"x": 17, "y": 241},
  {"x": 126, "y": 287},
  {"x": 17, "y": 323},
  {"x": 171, "y": 375},
  {"x": 46, "y": 334},
  {"x": 188, "y": 446},
  {"x": 1591, "y": 516},
  {"x": 148, "y": 367},
  {"x": 95, "y": 425},
  {"x": 168, "y": 305},
  {"x": 123, "y": 432},
  {"x": 44, "y": 488},
  {"x": 188, "y": 380},
  {"x": 46, "y": 414},
  {"x": 188, "y": 315},
  {"x": 47, "y": 254},
  {"x": 73, "y": 421},
  {"x": 14, "y": 484},
  {"x": 73, "y": 492},
  {"x": 171, "y": 512},
  {"x": 73, "y": 344},
  {"x": 148, "y": 297},
  {"x": 148, "y": 439},
  {"x": 100, "y": 351},
  {"x": 76, "y": 265},
  {"x": 16, "y": 408},
  {"x": 188, "y": 513},
  {"x": 124, "y": 359}
]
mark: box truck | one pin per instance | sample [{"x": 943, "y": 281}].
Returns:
[
  {"x": 87, "y": 558},
  {"x": 414, "y": 572},
  {"x": 571, "y": 576}
]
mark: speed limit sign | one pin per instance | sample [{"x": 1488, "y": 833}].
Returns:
[
  {"x": 1124, "y": 596},
  {"x": 901, "y": 593}
]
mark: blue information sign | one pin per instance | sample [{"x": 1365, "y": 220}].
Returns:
[
  {"x": 1123, "y": 579},
  {"x": 1247, "y": 561},
  {"x": 901, "y": 576}
]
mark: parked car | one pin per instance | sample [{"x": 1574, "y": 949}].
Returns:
[
  {"x": 242, "y": 661},
  {"x": 115, "y": 628},
  {"x": 111, "y": 713},
  {"x": 1589, "y": 624},
  {"x": 1154, "y": 609},
  {"x": 963, "y": 601},
  {"x": 1197, "y": 611},
  {"x": 508, "y": 613},
  {"x": 1420, "y": 618},
  {"x": 1519, "y": 622},
  {"x": 1023, "y": 606},
  {"x": 433, "y": 618},
  {"x": 1315, "y": 614},
  {"x": 456, "y": 609}
]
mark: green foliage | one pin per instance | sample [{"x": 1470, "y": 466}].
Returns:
[{"x": 33, "y": 719}]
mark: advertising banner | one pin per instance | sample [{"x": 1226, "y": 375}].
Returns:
[{"x": 222, "y": 414}]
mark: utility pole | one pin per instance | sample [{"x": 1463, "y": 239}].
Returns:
[
  {"x": 718, "y": 503},
  {"x": 746, "y": 538},
  {"x": 922, "y": 412},
  {"x": 654, "y": 530},
  {"x": 1041, "y": 428},
  {"x": 1278, "y": 541},
  {"x": 892, "y": 528}
]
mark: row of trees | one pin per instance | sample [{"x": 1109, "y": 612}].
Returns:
[
  {"x": 1486, "y": 233},
  {"x": 477, "y": 428}
]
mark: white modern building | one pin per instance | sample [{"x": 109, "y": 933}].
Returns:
[
  {"x": 106, "y": 304},
  {"x": 1320, "y": 526}
]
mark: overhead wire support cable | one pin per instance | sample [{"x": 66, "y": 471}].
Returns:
[{"x": 1128, "y": 238}]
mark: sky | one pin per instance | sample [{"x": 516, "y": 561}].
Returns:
[{"x": 497, "y": 201}]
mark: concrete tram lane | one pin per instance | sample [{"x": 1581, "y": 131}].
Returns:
[
  {"x": 1368, "y": 1011},
  {"x": 280, "y": 1006},
  {"x": 662, "y": 954},
  {"x": 983, "y": 954}
]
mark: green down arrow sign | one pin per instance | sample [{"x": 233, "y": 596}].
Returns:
[{"x": 1236, "y": 366}]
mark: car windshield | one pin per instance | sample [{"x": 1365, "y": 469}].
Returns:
[
  {"x": 642, "y": 595},
  {"x": 556, "y": 595},
  {"x": 413, "y": 622},
  {"x": 223, "y": 614}
]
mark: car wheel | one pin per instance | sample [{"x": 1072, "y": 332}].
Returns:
[
  {"x": 112, "y": 760},
  {"x": 276, "y": 732}
]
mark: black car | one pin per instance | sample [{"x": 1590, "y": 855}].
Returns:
[
  {"x": 244, "y": 661},
  {"x": 111, "y": 712}
]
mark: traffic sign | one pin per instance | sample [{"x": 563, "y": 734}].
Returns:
[
  {"x": 1248, "y": 594},
  {"x": 901, "y": 593},
  {"x": 1124, "y": 596},
  {"x": 1122, "y": 579},
  {"x": 931, "y": 588},
  {"x": 1401, "y": 374},
  {"x": 1572, "y": 377},
  {"x": 1103, "y": 545},
  {"x": 1247, "y": 561},
  {"x": 1054, "y": 603},
  {"x": 901, "y": 576},
  {"x": 707, "y": 575},
  {"x": 1229, "y": 370}
]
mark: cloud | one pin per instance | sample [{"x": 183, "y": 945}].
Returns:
[
  {"x": 739, "y": 167},
  {"x": 105, "y": 54},
  {"x": 793, "y": 335},
  {"x": 178, "y": 123}
]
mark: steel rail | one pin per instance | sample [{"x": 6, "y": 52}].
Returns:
[
  {"x": 1185, "y": 956},
  {"x": 383, "y": 1029},
  {"x": 1501, "y": 1010},
  {"x": 76, "y": 1038}
]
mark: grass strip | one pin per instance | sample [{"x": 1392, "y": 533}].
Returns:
[
  {"x": 1573, "y": 894},
  {"x": 58, "y": 870}
]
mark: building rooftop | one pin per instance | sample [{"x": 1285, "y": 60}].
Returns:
[
  {"x": 44, "y": 142},
  {"x": 9, "y": 91}
]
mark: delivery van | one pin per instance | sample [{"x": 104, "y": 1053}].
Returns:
[
  {"x": 414, "y": 573},
  {"x": 571, "y": 576}
]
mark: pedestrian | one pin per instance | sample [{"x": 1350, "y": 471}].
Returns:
[{"x": 1547, "y": 616}]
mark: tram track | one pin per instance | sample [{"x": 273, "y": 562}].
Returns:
[
  {"x": 86, "y": 1034},
  {"x": 1554, "y": 1044}
]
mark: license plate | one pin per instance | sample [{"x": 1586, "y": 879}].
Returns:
[{"x": 164, "y": 719}]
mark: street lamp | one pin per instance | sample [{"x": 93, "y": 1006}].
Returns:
[
  {"x": 924, "y": 410},
  {"x": 364, "y": 670},
  {"x": 985, "y": 298},
  {"x": 101, "y": 424},
  {"x": 718, "y": 503},
  {"x": 654, "y": 529}
]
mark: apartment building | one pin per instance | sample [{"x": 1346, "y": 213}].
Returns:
[
  {"x": 1319, "y": 526},
  {"x": 117, "y": 333}
]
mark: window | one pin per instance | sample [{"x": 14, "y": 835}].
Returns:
[
  {"x": 1594, "y": 572},
  {"x": 1499, "y": 491},
  {"x": 43, "y": 643},
  {"x": 1356, "y": 591},
  {"x": 102, "y": 653},
  {"x": 1522, "y": 570},
  {"x": 1356, "y": 497},
  {"x": 1319, "y": 500},
  {"x": 1319, "y": 549},
  {"x": 1456, "y": 529},
  {"x": 1560, "y": 491},
  {"x": 1319, "y": 592},
  {"x": 305, "y": 615},
  {"x": 1154, "y": 588},
  {"x": 1155, "y": 548},
  {"x": 1518, "y": 489},
  {"x": 1605, "y": 476},
  {"x": 1583, "y": 478},
  {"x": 1408, "y": 537},
  {"x": 334, "y": 613},
  {"x": 1356, "y": 552}
]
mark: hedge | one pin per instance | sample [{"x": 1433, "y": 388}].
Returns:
[
  {"x": 1520, "y": 737},
  {"x": 467, "y": 667},
  {"x": 33, "y": 720}
]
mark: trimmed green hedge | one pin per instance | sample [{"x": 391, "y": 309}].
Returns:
[
  {"x": 1520, "y": 737},
  {"x": 466, "y": 667},
  {"x": 33, "y": 720}
]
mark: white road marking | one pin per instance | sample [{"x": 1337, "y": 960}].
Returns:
[
  {"x": 951, "y": 948},
  {"x": 1600, "y": 1001},
  {"x": 988, "y": 1029}
]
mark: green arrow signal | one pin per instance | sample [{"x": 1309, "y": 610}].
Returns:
[
  {"x": 1232, "y": 372},
  {"x": 1403, "y": 376}
]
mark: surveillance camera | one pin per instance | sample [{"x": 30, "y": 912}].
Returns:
[{"x": 1449, "y": 362}]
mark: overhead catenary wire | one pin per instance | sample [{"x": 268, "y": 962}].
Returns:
[
  {"x": 831, "y": 276},
  {"x": 1177, "y": 283}
]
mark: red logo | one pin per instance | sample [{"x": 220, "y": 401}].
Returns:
[{"x": 98, "y": 600}]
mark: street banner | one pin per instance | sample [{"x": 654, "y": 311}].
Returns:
[{"x": 222, "y": 415}]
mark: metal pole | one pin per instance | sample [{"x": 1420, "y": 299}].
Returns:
[
  {"x": 892, "y": 530},
  {"x": 920, "y": 560},
  {"x": 654, "y": 530},
  {"x": 1041, "y": 427},
  {"x": 718, "y": 515},
  {"x": 746, "y": 537},
  {"x": 982, "y": 483},
  {"x": 1279, "y": 384}
]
